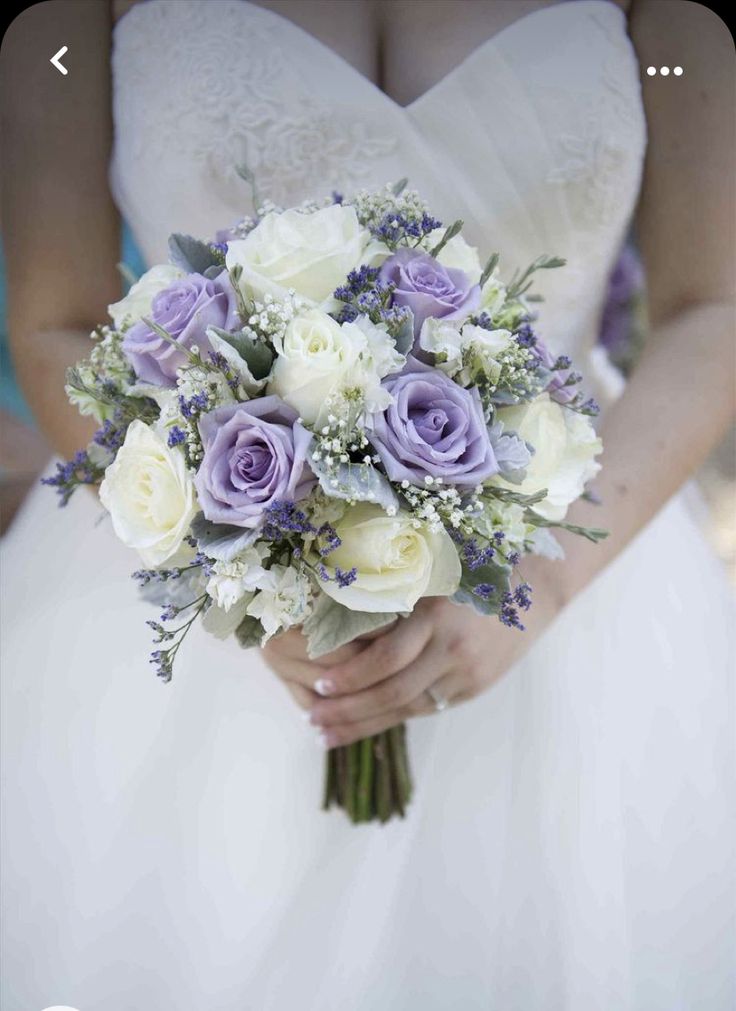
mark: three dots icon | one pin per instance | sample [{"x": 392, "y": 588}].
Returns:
[{"x": 664, "y": 71}]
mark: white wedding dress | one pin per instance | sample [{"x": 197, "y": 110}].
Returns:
[{"x": 569, "y": 844}]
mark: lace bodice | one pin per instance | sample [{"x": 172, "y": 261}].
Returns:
[{"x": 536, "y": 140}]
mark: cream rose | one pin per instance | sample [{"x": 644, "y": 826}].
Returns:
[
  {"x": 137, "y": 303},
  {"x": 312, "y": 359},
  {"x": 149, "y": 494},
  {"x": 319, "y": 357},
  {"x": 457, "y": 254},
  {"x": 311, "y": 253},
  {"x": 565, "y": 446},
  {"x": 396, "y": 561}
]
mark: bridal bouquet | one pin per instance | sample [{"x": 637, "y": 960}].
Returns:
[{"x": 321, "y": 416}]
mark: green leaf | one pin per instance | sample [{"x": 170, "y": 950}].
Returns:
[
  {"x": 404, "y": 339},
  {"x": 331, "y": 625},
  {"x": 248, "y": 176},
  {"x": 354, "y": 482},
  {"x": 398, "y": 187},
  {"x": 489, "y": 268},
  {"x": 507, "y": 495},
  {"x": 594, "y": 534},
  {"x": 454, "y": 229},
  {"x": 257, "y": 355},
  {"x": 191, "y": 255},
  {"x": 519, "y": 283},
  {"x": 249, "y": 632}
]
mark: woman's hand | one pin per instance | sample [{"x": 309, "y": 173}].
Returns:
[{"x": 369, "y": 686}]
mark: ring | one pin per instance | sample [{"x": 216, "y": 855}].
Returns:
[{"x": 440, "y": 702}]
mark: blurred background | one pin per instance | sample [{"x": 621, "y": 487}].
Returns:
[{"x": 24, "y": 453}]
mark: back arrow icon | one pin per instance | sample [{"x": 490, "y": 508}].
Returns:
[{"x": 56, "y": 60}]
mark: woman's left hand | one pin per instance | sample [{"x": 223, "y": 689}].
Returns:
[{"x": 453, "y": 650}]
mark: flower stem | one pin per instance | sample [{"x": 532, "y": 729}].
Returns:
[{"x": 370, "y": 779}]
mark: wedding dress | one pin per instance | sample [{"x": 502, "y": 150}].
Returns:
[{"x": 569, "y": 843}]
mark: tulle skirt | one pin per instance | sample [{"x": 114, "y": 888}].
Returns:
[{"x": 569, "y": 846}]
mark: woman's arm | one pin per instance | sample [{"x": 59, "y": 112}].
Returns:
[
  {"x": 672, "y": 413},
  {"x": 681, "y": 396},
  {"x": 61, "y": 229}
]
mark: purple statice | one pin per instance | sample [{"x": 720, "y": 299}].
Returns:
[
  {"x": 176, "y": 437},
  {"x": 396, "y": 227},
  {"x": 365, "y": 294},
  {"x": 343, "y": 577},
  {"x": 283, "y": 518},
  {"x": 358, "y": 281},
  {"x": 484, "y": 590},
  {"x": 145, "y": 576},
  {"x": 163, "y": 659},
  {"x": 75, "y": 472},
  {"x": 327, "y": 540},
  {"x": 473, "y": 554},
  {"x": 163, "y": 662},
  {"x": 207, "y": 564},
  {"x": 337, "y": 198},
  {"x": 112, "y": 434},
  {"x": 193, "y": 406},
  {"x": 220, "y": 362},
  {"x": 525, "y": 336},
  {"x": 511, "y": 602}
]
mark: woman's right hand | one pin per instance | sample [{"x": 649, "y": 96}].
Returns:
[{"x": 286, "y": 655}]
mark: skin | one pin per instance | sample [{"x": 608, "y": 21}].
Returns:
[{"x": 59, "y": 217}]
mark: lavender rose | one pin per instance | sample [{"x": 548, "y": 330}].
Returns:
[
  {"x": 184, "y": 310},
  {"x": 434, "y": 428},
  {"x": 428, "y": 288},
  {"x": 254, "y": 456}
]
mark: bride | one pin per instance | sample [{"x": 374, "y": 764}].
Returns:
[{"x": 569, "y": 844}]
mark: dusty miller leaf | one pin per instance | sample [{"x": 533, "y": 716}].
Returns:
[{"x": 331, "y": 625}]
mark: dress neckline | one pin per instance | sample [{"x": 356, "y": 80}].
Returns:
[{"x": 550, "y": 11}]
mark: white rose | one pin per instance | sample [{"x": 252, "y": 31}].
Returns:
[
  {"x": 457, "y": 254},
  {"x": 311, "y": 253},
  {"x": 565, "y": 446},
  {"x": 318, "y": 358},
  {"x": 149, "y": 494},
  {"x": 137, "y": 303},
  {"x": 396, "y": 561},
  {"x": 313, "y": 358}
]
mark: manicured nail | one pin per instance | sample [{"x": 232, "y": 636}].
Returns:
[
  {"x": 305, "y": 715},
  {"x": 323, "y": 686},
  {"x": 323, "y": 740}
]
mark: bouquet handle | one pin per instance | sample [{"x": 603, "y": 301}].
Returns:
[{"x": 370, "y": 779}]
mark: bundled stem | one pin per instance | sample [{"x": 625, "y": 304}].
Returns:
[{"x": 370, "y": 779}]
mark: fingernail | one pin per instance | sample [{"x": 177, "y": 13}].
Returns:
[
  {"x": 323, "y": 740},
  {"x": 305, "y": 715},
  {"x": 323, "y": 686}
]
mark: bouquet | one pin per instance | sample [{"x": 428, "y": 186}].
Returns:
[{"x": 321, "y": 416}]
